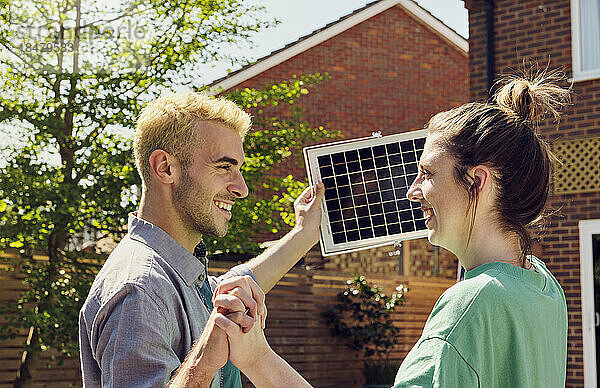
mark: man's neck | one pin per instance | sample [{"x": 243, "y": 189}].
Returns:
[{"x": 166, "y": 217}]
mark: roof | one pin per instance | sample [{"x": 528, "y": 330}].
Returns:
[{"x": 334, "y": 28}]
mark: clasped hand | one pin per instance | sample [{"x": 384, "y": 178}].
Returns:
[{"x": 240, "y": 313}]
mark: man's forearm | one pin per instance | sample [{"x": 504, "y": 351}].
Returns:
[
  {"x": 272, "y": 264},
  {"x": 190, "y": 376},
  {"x": 208, "y": 354},
  {"x": 193, "y": 372}
]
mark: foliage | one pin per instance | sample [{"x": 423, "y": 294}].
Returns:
[
  {"x": 363, "y": 318},
  {"x": 378, "y": 372},
  {"x": 74, "y": 83},
  {"x": 56, "y": 325},
  {"x": 278, "y": 139}
]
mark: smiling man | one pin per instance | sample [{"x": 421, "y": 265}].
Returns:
[{"x": 153, "y": 297}]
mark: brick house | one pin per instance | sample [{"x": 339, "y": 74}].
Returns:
[
  {"x": 392, "y": 65},
  {"x": 564, "y": 34}
]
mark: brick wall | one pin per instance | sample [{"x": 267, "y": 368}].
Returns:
[
  {"x": 415, "y": 258},
  {"x": 424, "y": 260},
  {"x": 389, "y": 73},
  {"x": 540, "y": 32}
]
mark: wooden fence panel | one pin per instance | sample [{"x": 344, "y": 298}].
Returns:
[{"x": 295, "y": 328}]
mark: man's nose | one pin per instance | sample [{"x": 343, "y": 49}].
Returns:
[
  {"x": 238, "y": 187},
  {"x": 414, "y": 192}
]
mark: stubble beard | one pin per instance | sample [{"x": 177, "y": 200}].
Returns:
[{"x": 195, "y": 210}]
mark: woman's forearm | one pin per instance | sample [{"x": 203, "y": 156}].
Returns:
[{"x": 273, "y": 371}]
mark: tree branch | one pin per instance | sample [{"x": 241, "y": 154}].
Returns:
[
  {"x": 65, "y": 9},
  {"x": 126, "y": 12},
  {"x": 25, "y": 61},
  {"x": 158, "y": 55}
]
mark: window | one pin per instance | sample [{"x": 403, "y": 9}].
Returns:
[
  {"x": 589, "y": 248},
  {"x": 585, "y": 25}
]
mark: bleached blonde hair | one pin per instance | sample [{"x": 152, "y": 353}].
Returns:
[{"x": 170, "y": 123}]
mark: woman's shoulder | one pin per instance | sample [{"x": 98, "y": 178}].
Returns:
[
  {"x": 492, "y": 282},
  {"x": 488, "y": 293},
  {"x": 465, "y": 293},
  {"x": 462, "y": 301}
]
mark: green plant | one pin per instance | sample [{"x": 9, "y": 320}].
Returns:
[
  {"x": 56, "y": 325},
  {"x": 363, "y": 318},
  {"x": 75, "y": 75},
  {"x": 380, "y": 372}
]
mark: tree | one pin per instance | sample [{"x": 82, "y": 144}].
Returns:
[{"x": 73, "y": 86}]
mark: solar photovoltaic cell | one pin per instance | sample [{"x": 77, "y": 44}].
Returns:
[{"x": 366, "y": 182}]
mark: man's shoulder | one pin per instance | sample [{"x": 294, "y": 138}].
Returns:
[{"x": 131, "y": 264}]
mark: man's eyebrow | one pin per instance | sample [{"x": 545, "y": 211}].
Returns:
[{"x": 227, "y": 159}]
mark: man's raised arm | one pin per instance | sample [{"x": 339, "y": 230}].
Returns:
[{"x": 272, "y": 264}]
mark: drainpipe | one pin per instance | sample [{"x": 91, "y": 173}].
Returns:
[{"x": 489, "y": 23}]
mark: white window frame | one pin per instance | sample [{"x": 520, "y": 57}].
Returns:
[
  {"x": 578, "y": 74},
  {"x": 587, "y": 228}
]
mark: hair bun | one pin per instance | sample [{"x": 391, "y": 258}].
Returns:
[{"x": 533, "y": 99}]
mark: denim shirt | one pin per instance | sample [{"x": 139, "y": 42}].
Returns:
[{"x": 144, "y": 311}]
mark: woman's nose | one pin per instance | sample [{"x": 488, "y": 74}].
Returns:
[{"x": 414, "y": 192}]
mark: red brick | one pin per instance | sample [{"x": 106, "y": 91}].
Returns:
[
  {"x": 523, "y": 31},
  {"x": 389, "y": 73}
]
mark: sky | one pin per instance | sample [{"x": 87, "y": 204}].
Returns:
[{"x": 301, "y": 17}]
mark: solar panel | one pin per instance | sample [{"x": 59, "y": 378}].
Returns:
[{"x": 366, "y": 181}]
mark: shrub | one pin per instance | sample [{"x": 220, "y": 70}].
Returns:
[{"x": 363, "y": 318}]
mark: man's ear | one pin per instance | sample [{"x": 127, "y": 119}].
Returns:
[
  {"x": 482, "y": 176},
  {"x": 164, "y": 166}
]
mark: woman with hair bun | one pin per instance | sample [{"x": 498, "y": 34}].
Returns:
[{"x": 484, "y": 177}]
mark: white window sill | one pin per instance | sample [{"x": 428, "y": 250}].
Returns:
[{"x": 585, "y": 76}]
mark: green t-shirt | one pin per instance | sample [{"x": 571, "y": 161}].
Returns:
[{"x": 502, "y": 326}]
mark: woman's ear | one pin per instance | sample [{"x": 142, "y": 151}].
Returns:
[{"x": 482, "y": 178}]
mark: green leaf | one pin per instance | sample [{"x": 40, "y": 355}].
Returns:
[{"x": 70, "y": 170}]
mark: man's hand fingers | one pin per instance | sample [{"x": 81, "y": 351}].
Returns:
[
  {"x": 242, "y": 319},
  {"x": 263, "y": 319},
  {"x": 304, "y": 197},
  {"x": 229, "y": 302},
  {"x": 226, "y": 324},
  {"x": 249, "y": 285},
  {"x": 247, "y": 299},
  {"x": 311, "y": 193},
  {"x": 230, "y": 283},
  {"x": 258, "y": 295},
  {"x": 320, "y": 192}
]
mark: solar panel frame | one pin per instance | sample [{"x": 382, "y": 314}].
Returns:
[{"x": 366, "y": 182}]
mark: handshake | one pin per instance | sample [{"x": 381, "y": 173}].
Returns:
[{"x": 234, "y": 331}]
